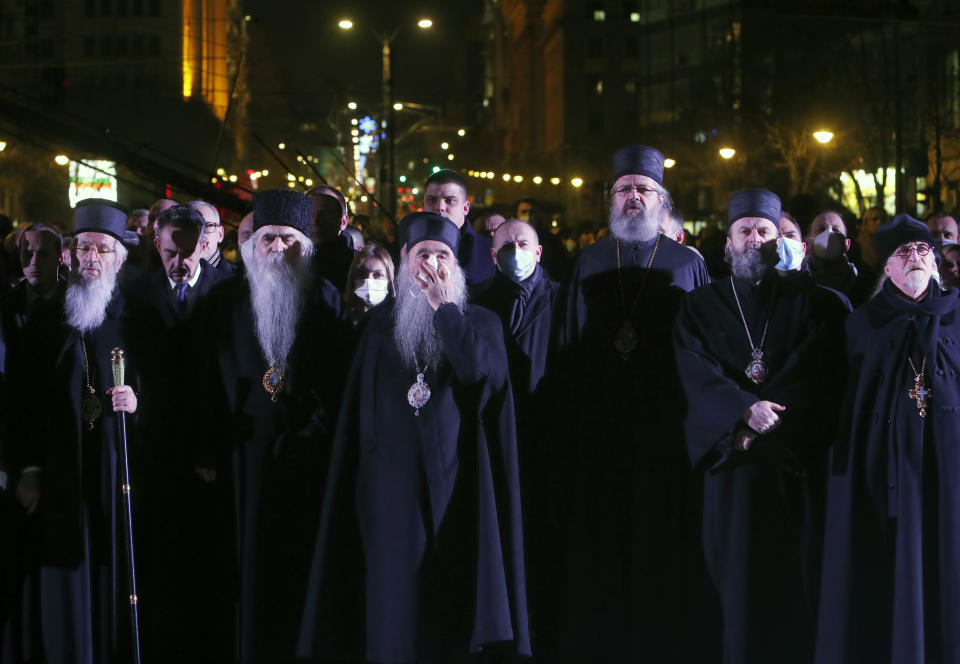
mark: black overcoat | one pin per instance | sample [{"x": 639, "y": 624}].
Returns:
[{"x": 890, "y": 588}]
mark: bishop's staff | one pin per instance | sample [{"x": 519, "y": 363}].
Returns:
[{"x": 119, "y": 365}]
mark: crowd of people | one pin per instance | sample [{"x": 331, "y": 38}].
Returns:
[{"x": 465, "y": 443}]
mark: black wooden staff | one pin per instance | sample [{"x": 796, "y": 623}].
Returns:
[{"x": 119, "y": 366}]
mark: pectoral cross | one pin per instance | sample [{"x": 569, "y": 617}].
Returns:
[{"x": 919, "y": 393}]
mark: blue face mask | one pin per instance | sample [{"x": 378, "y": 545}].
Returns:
[
  {"x": 517, "y": 264},
  {"x": 790, "y": 253}
]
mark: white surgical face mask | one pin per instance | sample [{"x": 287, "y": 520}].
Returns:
[
  {"x": 829, "y": 246},
  {"x": 790, "y": 253},
  {"x": 373, "y": 291},
  {"x": 516, "y": 263}
]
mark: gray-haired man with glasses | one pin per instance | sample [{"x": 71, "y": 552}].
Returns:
[{"x": 213, "y": 233}]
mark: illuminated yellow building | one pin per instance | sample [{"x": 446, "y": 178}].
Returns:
[{"x": 204, "y": 53}]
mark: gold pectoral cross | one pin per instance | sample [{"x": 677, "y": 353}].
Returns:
[{"x": 920, "y": 394}]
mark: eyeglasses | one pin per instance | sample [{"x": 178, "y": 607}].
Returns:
[
  {"x": 209, "y": 227},
  {"x": 641, "y": 189},
  {"x": 907, "y": 250},
  {"x": 101, "y": 249}
]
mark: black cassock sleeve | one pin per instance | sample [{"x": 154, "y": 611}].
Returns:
[
  {"x": 468, "y": 346},
  {"x": 716, "y": 403}
]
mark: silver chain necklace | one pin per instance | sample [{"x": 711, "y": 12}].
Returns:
[{"x": 756, "y": 369}]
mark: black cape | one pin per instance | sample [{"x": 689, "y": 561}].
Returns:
[
  {"x": 624, "y": 485},
  {"x": 762, "y": 518},
  {"x": 419, "y": 552},
  {"x": 272, "y": 456},
  {"x": 890, "y": 590}
]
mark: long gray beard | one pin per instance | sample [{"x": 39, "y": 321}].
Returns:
[
  {"x": 749, "y": 265},
  {"x": 413, "y": 330},
  {"x": 87, "y": 300},
  {"x": 276, "y": 297},
  {"x": 627, "y": 228}
]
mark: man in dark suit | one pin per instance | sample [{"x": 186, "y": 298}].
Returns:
[{"x": 178, "y": 553}]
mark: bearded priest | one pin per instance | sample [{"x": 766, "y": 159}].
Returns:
[
  {"x": 624, "y": 479},
  {"x": 891, "y": 592},
  {"x": 757, "y": 352},
  {"x": 419, "y": 555},
  {"x": 275, "y": 361},
  {"x": 69, "y": 454}
]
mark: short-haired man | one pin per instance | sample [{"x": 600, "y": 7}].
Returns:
[
  {"x": 756, "y": 353},
  {"x": 423, "y": 478},
  {"x": 943, "y": 226},
  {"x": 273, "y": 363},
  {"x": 139, "y": 221},
  {"x": 827, "y": 246},
  {"x": 164, "y": 342},
  {"x": 615, "y": 386},
  {"x": 333, "y": 249},
  {"x": 890, "y": 592},
  {"x": 213, "y": 235},
  {"x": 72, "y": 445},
  {"x": 445, "y": 194}
]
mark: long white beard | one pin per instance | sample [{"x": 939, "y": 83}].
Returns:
[
  {"x": 87, "y": 300},
  {"x": 629, "y": 228},
  {"x": 276, "y": 297},
  {"x": 413, "y": 328}
]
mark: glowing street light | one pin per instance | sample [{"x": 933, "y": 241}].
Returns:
[
  {"x": 425, "y": 24},
  {"x": 450, "y": 156},
  {"x": 518, "y": 178},
  {"x": 444, "y": 146},
  {"x": 398, "y": 106},
  {"x": 62, "y": 159},
  {"x": 727, "y": 153},
  {"x": 462, "y": 132},
  {"x": 352, "y": 106},
  {"x": 669, "y": 163},
  {"x": 537, "y": 179},
  {"x": 3, "y": 146},
  {"x": 577, "y": 182},
  {"x": 823, "y": 136},
  {"x": 506, "y": 177},
  {"x": 282, "y": 146},
  {"x": 345, "y": 24},
  {"x": 554, "y": 181}
]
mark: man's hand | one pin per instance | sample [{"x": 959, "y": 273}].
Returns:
[
  {"x": 743, "y": 439},
  {"x": 436, "y": 285},
  {"x": 123, "y": 399},
  {"x": 762, "y": 416},
  {"x": 28, "y": 490}
]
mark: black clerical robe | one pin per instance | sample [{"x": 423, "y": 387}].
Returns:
[
  {"x": 272, "y": 456},
  {"x": 474, "y": 256},
  {"x": 618, "y": 433},
  {"x": 419, "y": 553},
  {"x": 83, "y": 575},
  {"x": 890, "y": 590},
  {"x": 762, "y": 520}
]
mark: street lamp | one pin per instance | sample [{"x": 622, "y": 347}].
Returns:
[
  {"x": 577, "y": 182},
  {"x": 727, "y": 153},
  {"x": 669, "y": 163},
  {"x": 62, "y": 159},
  {"x": 823, "y": 136},
  {"x": 386, "y": 122}
]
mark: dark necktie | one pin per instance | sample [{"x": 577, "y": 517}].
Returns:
[{"x": 180, "y": 290}]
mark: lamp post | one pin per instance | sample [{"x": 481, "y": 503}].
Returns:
[{"x": 387, "y": 196}]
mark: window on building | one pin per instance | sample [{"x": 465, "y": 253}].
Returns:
[
  {"x": 634, "y": 17},
  {"x": 595, "y": 84},
  {"x": 121, "y": 7},
  {"x": 595, "y": 47}
]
